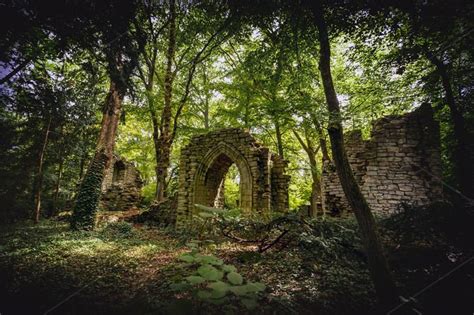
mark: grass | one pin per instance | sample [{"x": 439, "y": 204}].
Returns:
[{"x": 44, "y": 263}]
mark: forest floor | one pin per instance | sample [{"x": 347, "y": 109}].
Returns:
[{"x": 120, "y": 268}]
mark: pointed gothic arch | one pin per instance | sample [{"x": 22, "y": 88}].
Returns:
[
  {"x": 207, "y": 158},
  {"x": 212, "y": 171}
]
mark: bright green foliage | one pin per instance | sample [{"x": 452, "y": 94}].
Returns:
[
  {"x": 213, "y": 282},
  {"x": 85, "y": 209},
  {"x": 231, "y": 184},
  {"x": 234, "y": 278}
]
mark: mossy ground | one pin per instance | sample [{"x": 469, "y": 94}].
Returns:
[{"x": 123, "y": 269}]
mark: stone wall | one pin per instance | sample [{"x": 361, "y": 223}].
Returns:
[
  {"x": 392, "y": 166},
  {"x": 205, "y": 161},
  {"x": 121, "y": 188}
]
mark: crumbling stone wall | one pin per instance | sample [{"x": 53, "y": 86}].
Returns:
[
  {"x": 121, "y": 188},
  {"x": 400, "y": 163},
  {"x": 205, "y": 162}
]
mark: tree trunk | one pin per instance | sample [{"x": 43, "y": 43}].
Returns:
[
  {"x": 207, "y": 96},
  {"x": 461, "y": 155},
  {"x": 58, "y": 184},
  {"x": 206, "y": 115},
  {"x": 316, "y": 184},
  {"x": 379, "y": 270},
  {"x": 247, "y": 110},
  {"x": 156, "y": 143},
  {"x": 154, "y": 119},
  {"x": 279, "y": 138},
  {"x": 165, "y": 139},
  {"x": 322, "y": 138},
  {"x": 84, "y": 211},
  {"x": 39, "y": 175}
]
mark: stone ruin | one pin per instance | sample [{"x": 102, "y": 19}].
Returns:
[
  {"x": 400, "y": 163},
  {"x": 205, "y": 161},
  {"x": 121, "y": 187}
]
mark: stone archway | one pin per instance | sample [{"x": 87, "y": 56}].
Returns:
[{"x": 205, "y": 162}]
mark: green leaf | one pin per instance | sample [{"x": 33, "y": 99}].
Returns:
[
  {"x": 212, "y": 260},
  {"x": 235, "y": 278},
  {"x": 229, "y": 268},
  {"x": 205, "y": 215},
  {"x": 210, "y": 273},
  {"x": 186, "y": 258},
  {"x": 250, "y": 304},
  {"x": 219, "y": 286},
  {"x": 195, "y": 279},
  {"x": 239, "y": 290},
  {"x": 203, "y": 295},
  {"x": 217, "y": 294}
]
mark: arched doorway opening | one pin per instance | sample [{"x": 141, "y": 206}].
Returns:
[
  {"x": 221, "y": 166},
  {"x": 229, "y": 196}
]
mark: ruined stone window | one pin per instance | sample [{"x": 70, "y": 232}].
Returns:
[
  {"x": 121, "y": 188},
  {"x": 118, "y": 172}
]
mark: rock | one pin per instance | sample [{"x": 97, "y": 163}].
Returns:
[{"x": 160, "y": 213}]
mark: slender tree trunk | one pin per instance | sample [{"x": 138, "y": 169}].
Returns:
[
  {"x": 84, "y": 211},
  {"x": 156, "y": 144},
  {"x": 39, "y": 175},
  {"x": 154, "y": 119},
  {"x": 316, "y": 184},
  {"x": 279, "y": 137},
  {"x": 206, "y": 115},
  {"x": 165, "y": 139},
  {"x": 379, "y": 270},
  {"x": 322, "y": 139},
  {"x": 463, "y": 166},
  {"x": 315, "y": 189},
  {"x": 58, "y": 184},
  {"x": 206, "y": 110},
  {"x": 247, "y": 110}
]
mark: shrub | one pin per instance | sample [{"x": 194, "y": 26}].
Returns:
[{"x": 212, "y": 282}]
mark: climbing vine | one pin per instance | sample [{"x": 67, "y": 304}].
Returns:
[{"x": 85, "y": 209}]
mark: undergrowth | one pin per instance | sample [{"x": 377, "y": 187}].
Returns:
[{"x": 318, "y": 267}]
